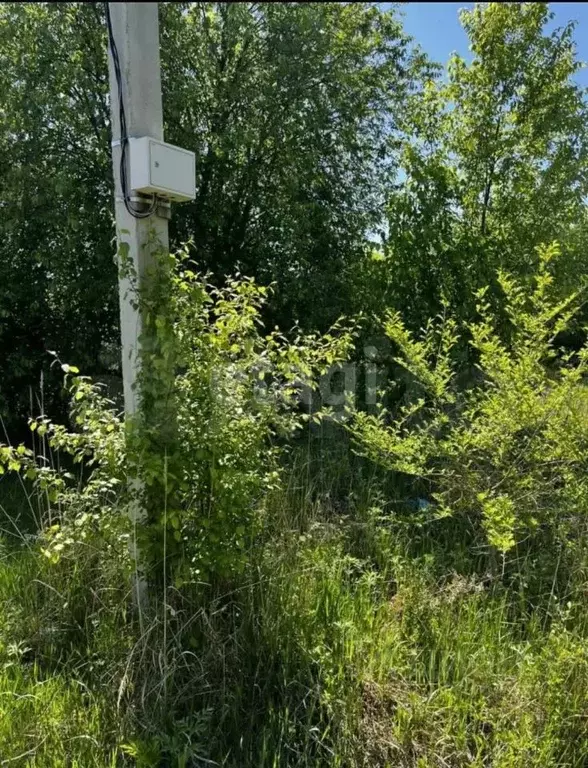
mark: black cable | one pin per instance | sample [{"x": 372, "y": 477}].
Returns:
[{"x": 124, "y": 138}]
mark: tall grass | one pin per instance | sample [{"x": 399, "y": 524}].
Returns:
[{"x": 345, "y": 643}]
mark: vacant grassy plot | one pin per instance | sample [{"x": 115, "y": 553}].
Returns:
[{"x": 343, "y": 644}]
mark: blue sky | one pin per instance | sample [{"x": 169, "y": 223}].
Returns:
[{"x": 436, "y": 27}]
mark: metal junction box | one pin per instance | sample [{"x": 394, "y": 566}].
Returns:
[{"x": 162, "y": 169}]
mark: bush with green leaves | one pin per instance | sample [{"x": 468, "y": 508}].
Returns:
[
  {"x": 232, "y": 394},
  {"x": 218, "y": 395},
  {"x": 508, "y": 451},
  {"x": 78, "y": 475}
]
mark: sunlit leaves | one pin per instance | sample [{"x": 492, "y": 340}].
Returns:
[{"x": 507, "y": 450}]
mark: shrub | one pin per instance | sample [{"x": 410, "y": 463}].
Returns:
[
  {"x": 507, "y": 453},
  {"x": 217, "y": 394}
]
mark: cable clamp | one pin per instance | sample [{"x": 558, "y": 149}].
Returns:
[{"x": 118, "y": 142}]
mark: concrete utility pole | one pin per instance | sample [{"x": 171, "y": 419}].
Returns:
[{"x": 135, "y": 29}]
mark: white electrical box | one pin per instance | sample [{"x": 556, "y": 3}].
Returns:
[{"x": 162, "y": 169}]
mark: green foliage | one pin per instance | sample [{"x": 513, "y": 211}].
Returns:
[
  {"x": 289, "y": 109},
  {"x": 316, "y": 658},
  {"x": 424, "y": 607},
  {"x": 49, "y": 723},
  {"x": 507, "y": 452},
  {"x": 77, "y": 512},
  {"x": 57, "y": 275},
  {"x": 296, "y": 165},
  {"x": 519, "y": 126},
  {"x": 494, "y": 162},
  {"x": 293, "y": 159},
  {"x": 218, "y": 398}
]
